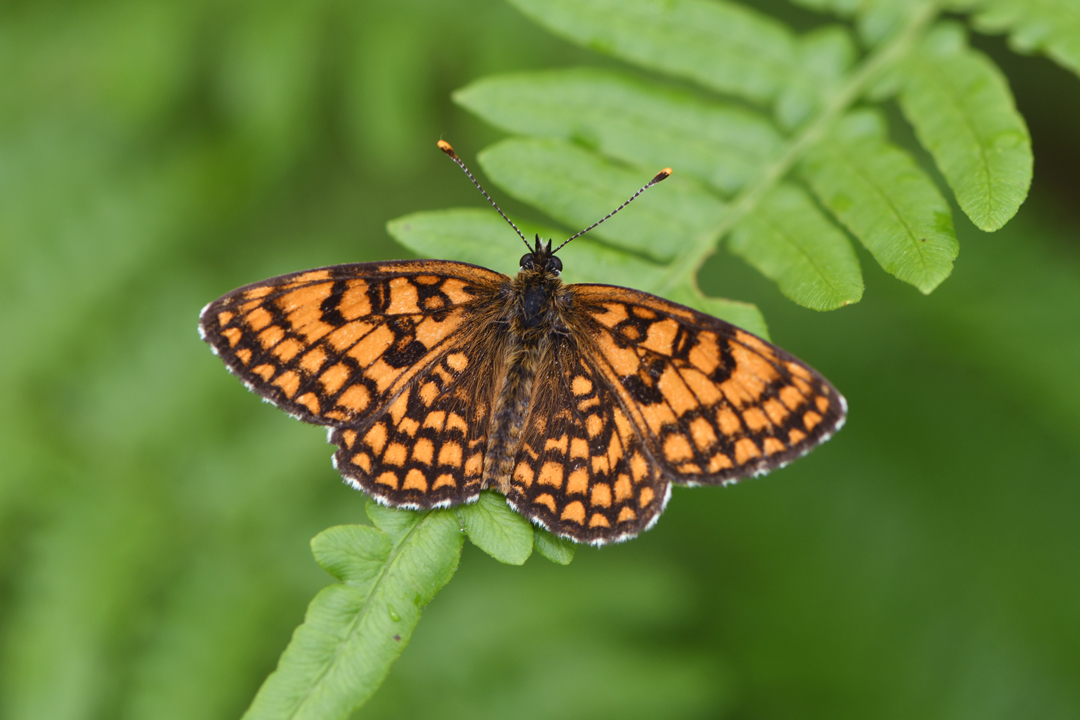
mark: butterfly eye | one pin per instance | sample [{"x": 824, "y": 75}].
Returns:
[
  {"x": 528, "y": 262},
  {"x": 553, "y": 264}
]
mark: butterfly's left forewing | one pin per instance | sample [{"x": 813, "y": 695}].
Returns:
[{"x": 711, "y": 403}]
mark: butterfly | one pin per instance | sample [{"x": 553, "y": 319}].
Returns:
[{"x": 582, "y": 404}]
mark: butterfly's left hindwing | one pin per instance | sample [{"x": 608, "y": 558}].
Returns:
[{"x": 582, "y": 470}]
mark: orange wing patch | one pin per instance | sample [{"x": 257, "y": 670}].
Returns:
[
  {"x": 380, "y": 352},
  {"x": 582, "y": 471},
  {"x": 332, "y": 346},
  {"x": 712, "y": 403},
  {"x": 426, "y": 447}
]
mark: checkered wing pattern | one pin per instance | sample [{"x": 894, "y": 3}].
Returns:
[
  {"x": 384, "y": 354},
  {"x": 582, "y": 470},
  {"x": 427, "y": 448},
  {"x": 403, "y": 360},
  {"x": 710, "y": 403}
]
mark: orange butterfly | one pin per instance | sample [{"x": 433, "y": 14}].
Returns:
[{"x": 582, "y": 404}]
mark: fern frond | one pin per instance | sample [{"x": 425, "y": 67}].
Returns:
[
  {"x": 781, "y": 118},
  {"x": 963, "y": 113},
  {"x": 882, "y": 197},
  {"x": 777, "y": 153},
  {"x": 1051, "y": 27},
  {"x": 355, "y": 629}
]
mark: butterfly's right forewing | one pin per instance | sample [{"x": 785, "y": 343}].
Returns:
[
  {"x": 335, "y": 345},
  {"x": 427, "y": 448},
  {"x": 393, "y": 355}
]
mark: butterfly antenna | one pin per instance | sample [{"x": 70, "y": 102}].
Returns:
[
  {"x": 662, "y": 175},
  {"x": 445, "y": 147}
]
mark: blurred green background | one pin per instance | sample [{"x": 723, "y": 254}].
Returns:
[{"x": 155, "y": 517}]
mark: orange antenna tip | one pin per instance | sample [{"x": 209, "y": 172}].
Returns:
[
  {"x": 659, "y": 176},
  {"x": 445, "y": 147}
]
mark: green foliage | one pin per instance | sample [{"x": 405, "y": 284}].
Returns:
[
  {"x": 963, "y": 113},
  {"x": 884, "y": 200},
  {"x": 791, "y": 242},
  {"x": 354, "y": 630},
  {"x": 595, "y": 132},
  {"x": 153, "y": 516},
  {"x": 620, "y": 116},
  {"x": 556, "y": 549},
  {"x": 722, "y": 46},
  {"x": 1047, "y": 26},
  {"x": 496, "y": 529}
]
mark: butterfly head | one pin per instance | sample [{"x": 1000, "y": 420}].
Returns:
[{"x": 542, "y": 259}]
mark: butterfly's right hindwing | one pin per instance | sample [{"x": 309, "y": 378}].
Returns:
[{"x": 427, "y": 448}]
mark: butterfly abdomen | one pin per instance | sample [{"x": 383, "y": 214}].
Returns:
[
  {"x": 510, "y": 412},
  {"x": 532, "y": 318}
]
